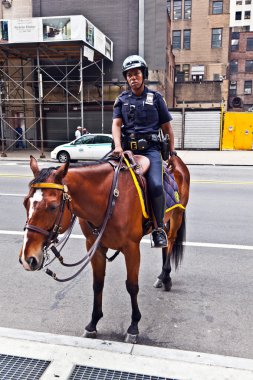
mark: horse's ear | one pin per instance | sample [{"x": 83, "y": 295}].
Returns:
[
  {"x": 61, "y": 172},
  {"x": 34, "y": 166}
]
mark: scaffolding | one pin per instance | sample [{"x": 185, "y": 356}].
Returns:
[{"x": 34, "y": 77}]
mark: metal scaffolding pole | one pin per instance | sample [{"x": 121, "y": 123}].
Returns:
[
  {"x": 42, "y": 155},
  {"x": 81, "y": 86},
  {"x": 102, "y": 95},
  {"x": 3, "y": 154},
  {"x": 67, "y": 99}
]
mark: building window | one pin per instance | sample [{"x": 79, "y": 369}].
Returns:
[
  {"x": 248, "y": 87},
  {"x": 247, "y": 2},
  {"x": 217, "y": 77},
  {"x": 238, "y": 15},
  {"x": 187, "y": 9},
  {"x": 187, "y": 39},
  {"x": 247, "y": 15},
  {"x": 239, "y": 3},
  {"x": 177, "y": 9},
  {"x": 249, "y": 43},
  {"x": 232, "y": 87},
  {"x": 168, "y": 7},
  {"x": 235, "y": 41},
  {"x": 179, "y": 74},
  {"x": 216, "y": 38},
  {"x": 186, "y": 70},
  {"x": 176, "y": 39},
  {"x": 233, "y": 66},
  {"x": 217, "y": 7},
  {"x": 249, "y": 66}
]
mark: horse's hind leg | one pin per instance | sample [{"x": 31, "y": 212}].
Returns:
[
  {"x": 98, "y": 265},
  {"x": 164, "y": 278},
  {"x": 133, "y": 264}
]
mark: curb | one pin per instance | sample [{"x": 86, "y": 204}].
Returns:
[{"x": 65, "y": 352}]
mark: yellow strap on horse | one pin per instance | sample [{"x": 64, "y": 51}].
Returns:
[
  {"x": 48, "y": 185},
  {"x": 138, "y": 189},
  {"x": 176, "y": 205}
]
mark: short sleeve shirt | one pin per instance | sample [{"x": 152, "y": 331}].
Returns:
[{"x": 141, "y": 114}]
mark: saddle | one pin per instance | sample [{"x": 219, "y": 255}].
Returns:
[{"x": 138, "y": 166}]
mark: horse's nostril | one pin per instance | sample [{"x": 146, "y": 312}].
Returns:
[{"x": 32, "y": 262}]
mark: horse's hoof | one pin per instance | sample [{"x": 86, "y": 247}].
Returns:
[
  {"x": 158, "y": 283},
  {"x": 130, "y": 338},
  {"x": 90, "y": 334},
  {"x": 167, "y": 286}
]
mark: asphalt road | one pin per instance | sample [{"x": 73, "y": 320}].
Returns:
[{"x": 210, "y": 306}]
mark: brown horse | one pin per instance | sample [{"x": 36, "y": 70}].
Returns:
[{"x": 86, "y": 189}]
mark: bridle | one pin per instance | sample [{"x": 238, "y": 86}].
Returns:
[{"x": 53, "y": 234}]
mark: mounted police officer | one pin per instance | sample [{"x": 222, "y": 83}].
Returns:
[{"x": 138, "y": 116}]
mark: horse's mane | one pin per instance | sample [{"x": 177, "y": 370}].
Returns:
[{"x": 45, "y": 173}]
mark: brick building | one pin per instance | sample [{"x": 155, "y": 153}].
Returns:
[
  {"x": 200, "y": 40},
  {"x": 241, "y": 55}
]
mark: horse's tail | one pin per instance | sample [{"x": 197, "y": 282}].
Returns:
[{"x": 178, "y": 247}]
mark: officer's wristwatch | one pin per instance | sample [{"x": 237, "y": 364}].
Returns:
[{"x": 173, "y": 153}]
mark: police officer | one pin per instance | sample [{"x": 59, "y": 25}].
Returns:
[{"x": 138, "y": 116}]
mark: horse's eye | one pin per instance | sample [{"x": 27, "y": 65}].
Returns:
[{"x": 53, "y": 206}]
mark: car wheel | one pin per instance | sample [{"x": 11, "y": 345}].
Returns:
[{"x": 63, "y": 156}]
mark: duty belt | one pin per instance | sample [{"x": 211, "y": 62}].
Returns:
[{"x": 140, "y": 141}]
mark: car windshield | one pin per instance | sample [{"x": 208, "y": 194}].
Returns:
[
  {"x": 85, "y": 140},
  {"x": 100, "y": 139}
]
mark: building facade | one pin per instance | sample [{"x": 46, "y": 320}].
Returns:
[
  {"x": 200, "y": 41},
  {"x": 54, "y": 81},
  {"x": 241, "y": 56}
]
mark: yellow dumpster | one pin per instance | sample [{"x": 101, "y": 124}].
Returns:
[{"x": 237, "y": 131}]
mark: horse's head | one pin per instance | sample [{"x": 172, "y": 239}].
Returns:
[{"x": 48, "y": 213}]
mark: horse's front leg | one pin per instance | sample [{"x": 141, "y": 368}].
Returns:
[
  {"x": 132, "y": 258},
  {"x": 98, "y": 265}
]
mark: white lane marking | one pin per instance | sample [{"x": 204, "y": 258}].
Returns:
[
  {"x": 12, "y": 195},
  {"x": 147, "y": 241}
]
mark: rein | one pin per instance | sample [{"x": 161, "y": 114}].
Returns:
[{"x": 114, "y": 193}]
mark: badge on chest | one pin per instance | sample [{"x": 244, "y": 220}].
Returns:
[{"x": 150, "y": 98}]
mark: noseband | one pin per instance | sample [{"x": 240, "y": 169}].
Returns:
[{"x": 56, "y": 230}]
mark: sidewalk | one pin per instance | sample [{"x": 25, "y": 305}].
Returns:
[
  {"x": 61, "y": 355},
  {"x": 190, "y": 157}
]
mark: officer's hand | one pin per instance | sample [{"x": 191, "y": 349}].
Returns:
[{"x": 118, "y": 151}]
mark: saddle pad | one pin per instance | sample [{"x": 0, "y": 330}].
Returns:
[
  {"x": 170, "y": 187},
  {"x": 171, "y": 190}
]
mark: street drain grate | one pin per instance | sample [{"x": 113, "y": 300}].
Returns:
[
  {"x": 20, "y": 368},
  {"x": 92, "y": 373}
]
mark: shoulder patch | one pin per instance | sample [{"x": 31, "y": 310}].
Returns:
[
  {"x": 116, "y": 102},
  {"x": 164, "y": 100}
]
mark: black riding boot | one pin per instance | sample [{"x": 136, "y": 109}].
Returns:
[{"x": 159, "y": 236}]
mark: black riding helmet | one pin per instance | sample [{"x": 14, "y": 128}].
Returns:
[{"x": 135, "y": 61}]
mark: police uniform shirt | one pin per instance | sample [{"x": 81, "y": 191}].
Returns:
[{"x": 141, "y": 114}]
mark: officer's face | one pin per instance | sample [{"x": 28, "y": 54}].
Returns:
[{"x": 134, "y": 78}]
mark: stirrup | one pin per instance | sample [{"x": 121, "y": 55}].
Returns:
[{"x": 163, "y": 234}]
